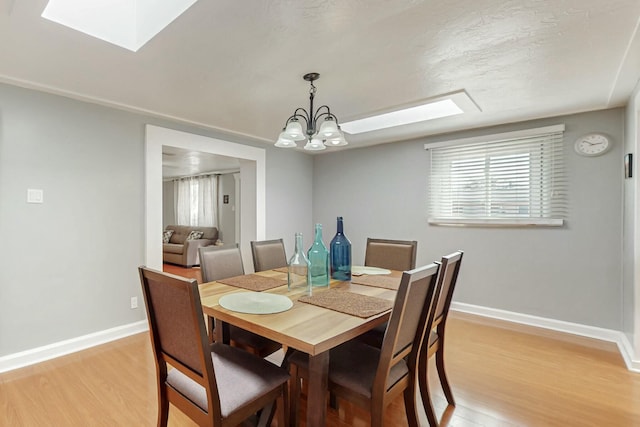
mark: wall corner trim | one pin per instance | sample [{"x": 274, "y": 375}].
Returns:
[
  {"x": 61, "y": 348},
  {"x": 617, "y": 337}
]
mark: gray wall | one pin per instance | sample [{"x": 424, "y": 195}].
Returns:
[
  {"x": 289, "y": 197},
  {"x": 573, "y": 273},
  {"x": 227, "y": 214},
  {"x": 168, "y": 204},
  {"x": 69, "y": 266}
]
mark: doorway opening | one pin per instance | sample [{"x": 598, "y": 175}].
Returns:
[{"x": 252, "y": 221}]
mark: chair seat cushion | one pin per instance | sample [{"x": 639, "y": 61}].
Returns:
[
  {"x": 353, "y": 365},
  {"x": 241, "y": 378}
]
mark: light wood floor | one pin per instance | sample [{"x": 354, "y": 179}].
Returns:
[{"x": 501, "y": 375}]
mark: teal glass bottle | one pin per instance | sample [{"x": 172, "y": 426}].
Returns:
[
  {"x": 318, "y": 255},
  {"x": 298, "y": 269},
  {"x": 340, "y": 254}
]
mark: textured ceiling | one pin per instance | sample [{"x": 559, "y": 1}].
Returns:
[
  {"x": 237, "y": 65},
  {"x": 177, "y": 162}
]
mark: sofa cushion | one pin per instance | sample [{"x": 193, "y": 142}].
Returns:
[
  {"x": 166, "y": 235},
  {"x": 180, "y": 233},
  {"x": 178, "y": 238},
  {"x": 173, "y": 248},
  {"x": 195, "y": 235}
]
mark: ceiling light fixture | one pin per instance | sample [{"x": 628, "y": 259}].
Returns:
[{"x": 327, "y": 135}]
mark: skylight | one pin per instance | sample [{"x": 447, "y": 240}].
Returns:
[
  {"x": 126, "y": 23},
  {"x": 444, "y": 106}
]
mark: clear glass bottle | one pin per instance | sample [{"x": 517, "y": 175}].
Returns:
[
  {"x": 318, "y": 255},
  {"x": 298, "y": 271},
  {"x": 340, "y": 254}
]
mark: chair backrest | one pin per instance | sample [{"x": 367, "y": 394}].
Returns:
[
  {"x": 268, "y": 254},
  {"x": 450, "y": 267},
  {"x": 178, "y": 333},
  {"x": 410, "y": 319},
  {"x": 392, "y": 254},
  {"x": 220, "y": 262}
]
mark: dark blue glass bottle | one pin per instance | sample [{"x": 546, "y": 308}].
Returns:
[{"x": 340, "y": 254}]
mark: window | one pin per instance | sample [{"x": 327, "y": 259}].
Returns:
[
  {"x": 196, "y": 200},
  {"x": 508, "y": 179}
]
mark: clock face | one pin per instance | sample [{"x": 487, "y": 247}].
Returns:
[{"x": 592, "y": 144}]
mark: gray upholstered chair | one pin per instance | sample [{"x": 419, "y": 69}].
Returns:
[
  {"x": 434, "y": 341},
  {"x": 392, "y": 254},
  {"x": 213, "y": 384},
  {"x": 221, "y": 262},
  {"x": 397, "y": 255},
  {"x": 268, "y": 254},
  {"x": 373, "y": 377}
]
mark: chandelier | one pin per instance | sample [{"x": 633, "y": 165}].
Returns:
[{"x": 329, "y": 133}]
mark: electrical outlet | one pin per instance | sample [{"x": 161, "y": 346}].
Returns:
[{"x": 134, "y": 302}]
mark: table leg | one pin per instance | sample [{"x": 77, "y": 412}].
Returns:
[
  {"x": 221, "y": 331},
  {"x": 317, "y": 389}
]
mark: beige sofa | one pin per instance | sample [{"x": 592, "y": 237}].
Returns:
[{"x": 184, "y": 252}]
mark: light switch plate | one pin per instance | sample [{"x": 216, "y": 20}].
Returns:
[{"x": 35, "y": 195}]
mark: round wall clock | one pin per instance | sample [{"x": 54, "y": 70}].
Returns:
[{"x": 592, "y": 144}]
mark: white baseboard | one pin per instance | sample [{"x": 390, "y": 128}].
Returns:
[
  {"x": 617, "y": 337},
  {"x": 57, "y": 349},
  {"x": 51, "y": 351}
]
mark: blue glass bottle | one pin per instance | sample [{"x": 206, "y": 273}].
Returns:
[
  {"x": 340, "y": 255},
  {"x": 318, "y": 255},
  {"x": 298, "y": 269}
]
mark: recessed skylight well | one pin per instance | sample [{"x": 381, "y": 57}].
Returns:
[
  {"x": 435, "y": 108},
  {"x": 126, "y": 23}
]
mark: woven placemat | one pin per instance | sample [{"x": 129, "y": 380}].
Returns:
[
  {"x": 386, "y": 282},
  {"x": 253, "y": 282},
  {"x": 349, "y": 303},
  {"x": 282, "y": 269}
]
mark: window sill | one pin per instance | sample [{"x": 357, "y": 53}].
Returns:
[{"x": 502, "y": 222}]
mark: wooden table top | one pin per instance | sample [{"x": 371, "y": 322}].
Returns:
[{"x": 305, "y": 327}]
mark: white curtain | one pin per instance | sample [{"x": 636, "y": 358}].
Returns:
[{"x": 196, "y": 199}]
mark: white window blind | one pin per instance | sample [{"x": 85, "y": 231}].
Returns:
[{"x": 509, "y": 179}]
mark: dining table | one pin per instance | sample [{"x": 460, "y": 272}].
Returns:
[{"x": 305, "y": 327}]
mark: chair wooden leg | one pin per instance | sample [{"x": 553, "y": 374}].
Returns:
[
  {"x": 423, "y": 381},
  {"x": 428, "y": 409},
  {"x": 278, "y": 407},
  {"x": 294, "y": 395},
  {"x": 377, "y": 415},
  {"x": 410, "y": 405},
  {"x": 163, "y": 409},
  {"x": 283, "y": 407},
  {"x": 210, "y": 328},
  {"x": 333, "y": 401},
  {"x": 444, "y": 382},
  {"x": 266, "y": 415}
]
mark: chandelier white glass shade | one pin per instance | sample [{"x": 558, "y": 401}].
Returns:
[{"x": 328, "y": 134}]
